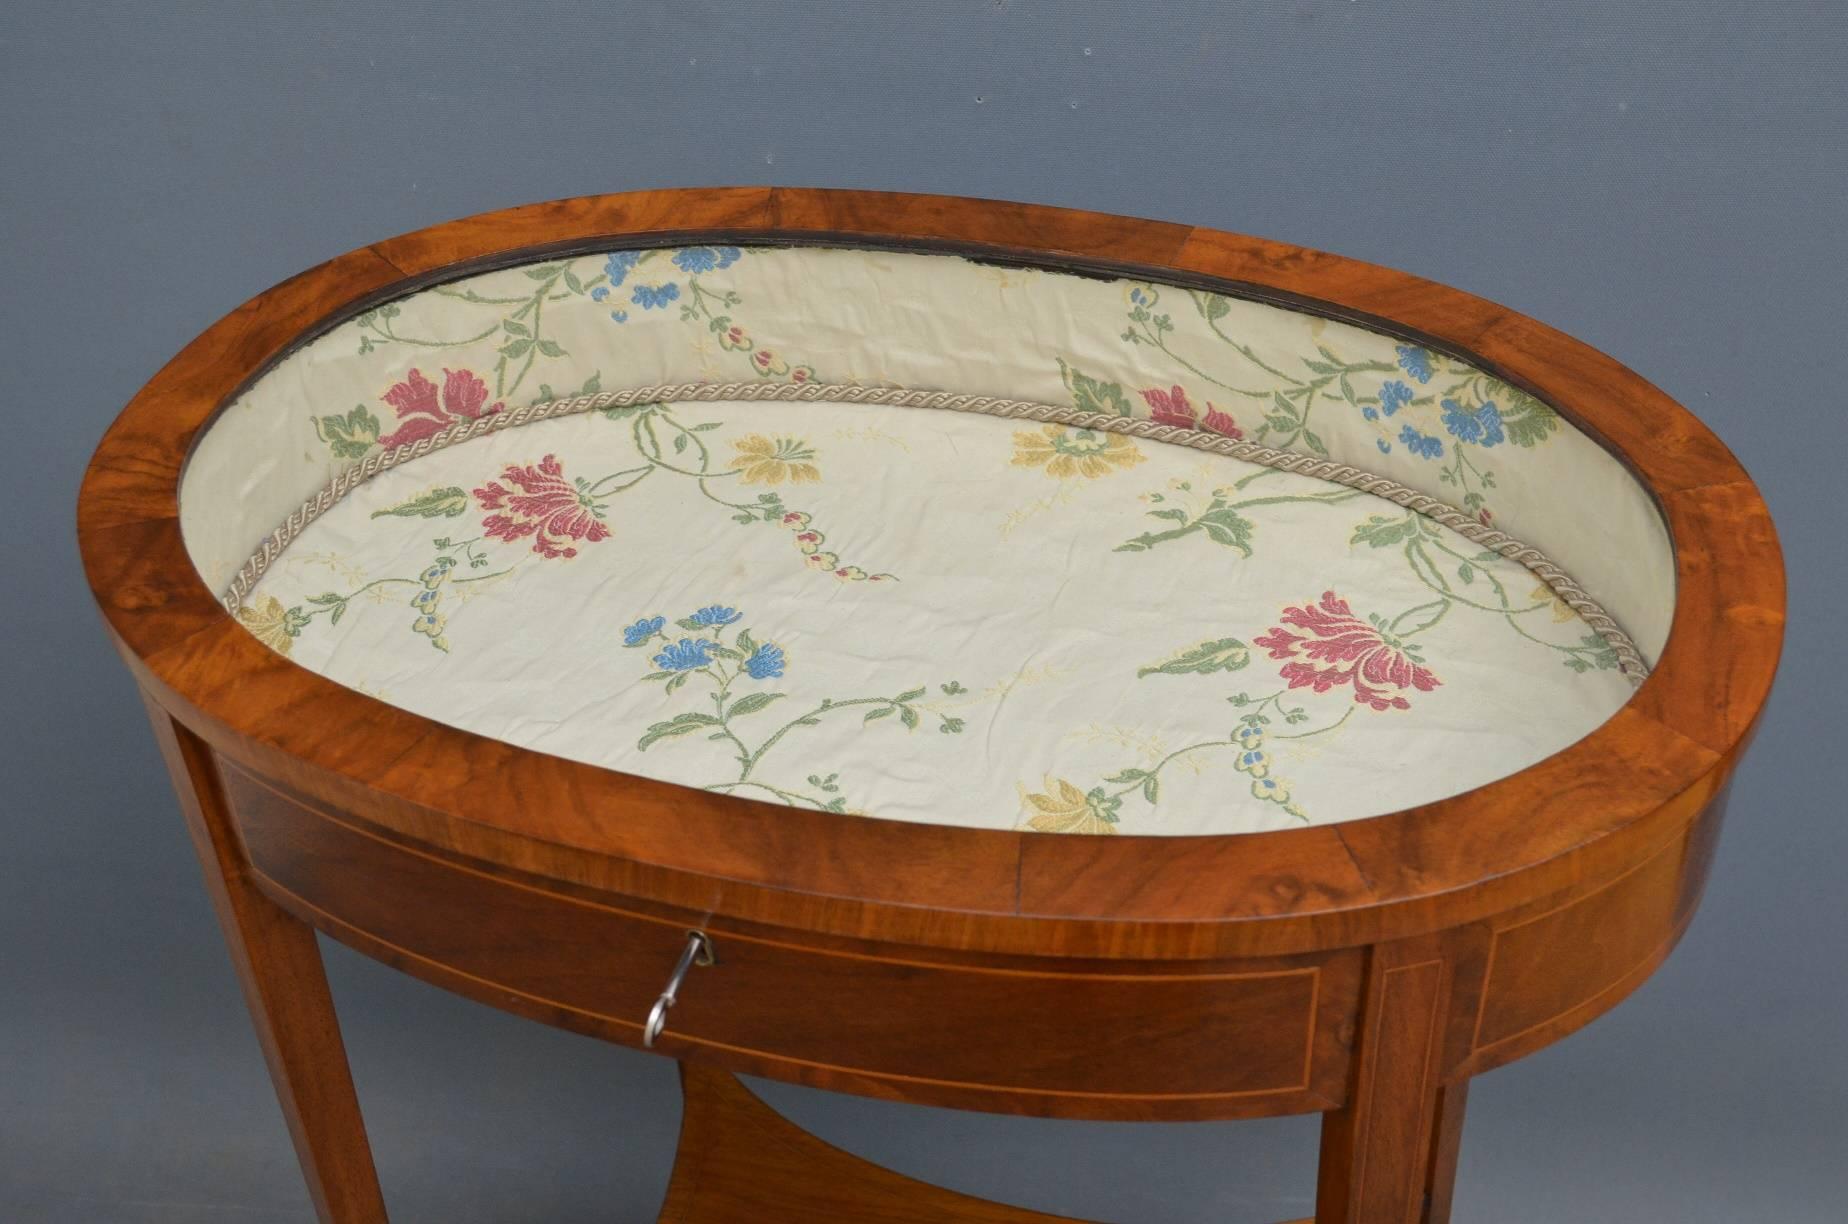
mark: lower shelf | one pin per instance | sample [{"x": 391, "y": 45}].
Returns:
[{"x": 741, "y": 1162}]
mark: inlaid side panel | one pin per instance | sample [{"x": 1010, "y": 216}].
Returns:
[
  {"x": 1072, "y": 1038},
  {"x": 1554, "y": 968}
]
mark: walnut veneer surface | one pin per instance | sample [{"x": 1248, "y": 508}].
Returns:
[{"x": 1364, "y": 970}]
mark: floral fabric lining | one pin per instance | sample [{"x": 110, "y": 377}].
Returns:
[
  {"x": 962, "y": 620},
  {"x": 922, "y": 615},
  {"x": 720, "y": 313}
]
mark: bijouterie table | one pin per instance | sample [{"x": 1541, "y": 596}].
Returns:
[{"x": 958, "y": 652}]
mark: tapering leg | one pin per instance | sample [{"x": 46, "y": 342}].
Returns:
[
  {"x": 285, "y": 986},
  {"x": 1389, "y": 1155}
]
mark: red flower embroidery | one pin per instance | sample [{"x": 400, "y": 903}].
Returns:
[
  {"x": 1172, "y": 407},
  {"x": 544, "y": 505},
  {"x": 1345, "y": 648},
  {"x": 1220, "y": 423},
  {"x": 421, "y": 413}
]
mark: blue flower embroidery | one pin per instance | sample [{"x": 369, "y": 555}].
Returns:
[
  {"x": 648, "y": 297},
  {"x": 765, "y": 663},
  {"x": 1415, "y": 361},
  {"x": 685, "y": 655},
  {"x": 1483, "y": 426},
  {"x": 1270, "y": 788},
  {"x": 642, "y": 630},
  {"x": 1384, "y": 445},
  {"x": 1394, "y": 396},
  {"x": 617, "y": 268},
  {"x": 1421, "y": 444},
  {"x": 715, "y": 614},
  {"x": 706, "y": 259}
]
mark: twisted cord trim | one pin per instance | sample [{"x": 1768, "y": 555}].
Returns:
[{"x": 1629, "y": 659}]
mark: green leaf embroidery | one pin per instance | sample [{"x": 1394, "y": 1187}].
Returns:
[
  {"x": 1218, "y": 655},
  {"x": 1094, "y": 394},
  {"x": 680, "y": 724},
  {"x": 1226, "y": 526},
  {"x": 1528, "y": 422},
  {"x": 1383, "y": 531},
  {"x": 1595, "y": 653},
  {"x": 750, "y": 703},
  {"x": 622, "y": 412},
  {"x": 446, "y": 502},
  {"x": 1103, "y": 805},
  {"x": 349, "y": 436}
]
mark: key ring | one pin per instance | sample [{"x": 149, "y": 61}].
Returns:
[{"x": 699, "y": 951}]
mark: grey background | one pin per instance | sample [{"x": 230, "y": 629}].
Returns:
[{"x": 1664, "y": 180}]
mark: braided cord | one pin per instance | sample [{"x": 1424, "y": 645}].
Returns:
[{"x": 1569, "y": 592}]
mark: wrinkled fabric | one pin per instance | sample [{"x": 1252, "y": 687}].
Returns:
[
  {"x": 719, "y": 313},
  {"x": 929, "y": 616}
]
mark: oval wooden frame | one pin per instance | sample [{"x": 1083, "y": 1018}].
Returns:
[
  {"x": 1575, "y": 818},
  {"x": 1365, "y": 969}
]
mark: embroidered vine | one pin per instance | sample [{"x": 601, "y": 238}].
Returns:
[
  {"x": 1467, "y": 579},
  {"x": 517, "y": 323},
  {"x": 730, "y": 671}
]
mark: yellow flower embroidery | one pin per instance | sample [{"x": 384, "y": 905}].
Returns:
[
  {"x": 1561, "y": 610},
  {"x": 270, "y": 623},
  {"x": 766, "y": 461},
  {"x": 1063, "y": 808},
  {"x": 1074, "y": 452}
]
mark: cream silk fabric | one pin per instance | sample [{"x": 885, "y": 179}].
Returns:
[
  {"x": 918, "y": 614},
  {"x": 938, "y": 626}
]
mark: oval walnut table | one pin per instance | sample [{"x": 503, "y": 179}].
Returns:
[{"x": 956, "y": 652}]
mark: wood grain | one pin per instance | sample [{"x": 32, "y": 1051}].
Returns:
[
  {"x": 1112, "y": 1039},
  {"x": 1366, "y": 969},
  {"x": 1573, "y": 821},
  {"x": 740, "y": 1162},
  {"x": 1381, "y": 1151},
  {"x": 279, "y": 968}
]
